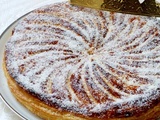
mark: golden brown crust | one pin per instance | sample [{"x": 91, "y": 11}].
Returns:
[{"x": 50, "y": 113}]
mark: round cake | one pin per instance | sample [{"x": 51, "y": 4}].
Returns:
[{"x": 65, "y": 62}]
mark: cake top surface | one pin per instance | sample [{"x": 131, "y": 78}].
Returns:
[{"x": 87, "y": 61}]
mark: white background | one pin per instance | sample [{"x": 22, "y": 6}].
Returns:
[{"x": 10, "y": 10}]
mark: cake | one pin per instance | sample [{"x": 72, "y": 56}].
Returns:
[{"x": 65, "y": 62}]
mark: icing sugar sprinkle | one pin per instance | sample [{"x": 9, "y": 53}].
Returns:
[{"x": 86, "y": 60}]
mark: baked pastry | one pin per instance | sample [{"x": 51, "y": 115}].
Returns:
[{"x": 65, "y": 62}]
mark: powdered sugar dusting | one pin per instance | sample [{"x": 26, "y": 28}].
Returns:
[{"x": 86, "y": 61}]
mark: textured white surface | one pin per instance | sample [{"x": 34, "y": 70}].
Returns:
[{"x": 10, "y": 10}]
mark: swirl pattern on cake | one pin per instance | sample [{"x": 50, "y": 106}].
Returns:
[{"x": 87, "y": 61}]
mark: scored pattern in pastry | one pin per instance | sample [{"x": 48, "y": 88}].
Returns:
[{"x": 82, "y": 58}]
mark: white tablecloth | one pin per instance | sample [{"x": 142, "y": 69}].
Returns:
[{"x": 10, "y": 10}]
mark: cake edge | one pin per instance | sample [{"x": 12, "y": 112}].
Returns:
[{"x": 45, "y": 111}]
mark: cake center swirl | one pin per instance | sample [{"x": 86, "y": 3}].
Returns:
[{"x": 91, "y": 51}]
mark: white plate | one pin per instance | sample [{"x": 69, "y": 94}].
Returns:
[{"x": 5, "y": 93}]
